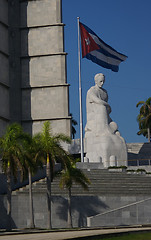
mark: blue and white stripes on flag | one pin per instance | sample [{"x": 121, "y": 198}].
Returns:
[{"x": 94, "y": 49}]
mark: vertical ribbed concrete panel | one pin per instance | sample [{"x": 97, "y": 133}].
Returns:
[
  {"x": 14, "y": 61},
  {"x": 4, "y": 66},
  {"x": 43, "y": 67}
]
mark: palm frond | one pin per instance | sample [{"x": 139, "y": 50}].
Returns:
[
  {"x": 72, "y": 174},
  {"x": 140, "y": 103},
  {"x": 144, "y": 118}
]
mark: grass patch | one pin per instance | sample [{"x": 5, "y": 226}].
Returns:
[{"x": 126, "y": 236}]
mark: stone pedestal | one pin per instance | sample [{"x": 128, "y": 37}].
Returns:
[
  {"x": 90, "y": 166},
  {"x": 109, "y": 150}
]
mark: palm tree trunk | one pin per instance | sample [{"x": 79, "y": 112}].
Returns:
[
  {"x": 31, "y": 209},
  {"x": 148, "y": 129},
  {"x": 69, "y": 210},
  {"x": 9, "y": 227},
  {"x": 48, "y": 177}
]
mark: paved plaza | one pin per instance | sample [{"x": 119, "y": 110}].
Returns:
[{"x": 60, "y": 235}]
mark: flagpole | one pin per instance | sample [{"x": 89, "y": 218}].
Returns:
[{"x": 80, "y": 94}]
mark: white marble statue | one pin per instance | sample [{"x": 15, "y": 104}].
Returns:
[{"x": 102, "y": 139}]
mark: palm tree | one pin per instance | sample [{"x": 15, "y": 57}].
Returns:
[
  {"x": 143, "y": 130},
  {"x": 33, "y": 160},
  {"x": 53, "y": 152},
  {"x": 74, "y": 123},
  {"x": 69, "y": 175},
  {"x": 12, "y": 159},
  {"x": 144, "y": 118}
]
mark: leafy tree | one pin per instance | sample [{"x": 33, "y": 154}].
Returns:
[
  {"x": 71, "y": 174},
  {"x": 53, "y": 152},
  {"x": 12, "y": 159},
  {"x": 144, "y": 118}
]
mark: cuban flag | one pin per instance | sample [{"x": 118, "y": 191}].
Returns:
[{"x": 94, "y": 49}]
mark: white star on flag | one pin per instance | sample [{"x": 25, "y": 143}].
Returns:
[{"x": 87, "y": 41}]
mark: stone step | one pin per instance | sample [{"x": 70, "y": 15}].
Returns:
[
  {"x": 105, "y": 180},
  {"x": 98, "y": 188},
  {"x": 102, "y": 182},
  {"x": 110, "y": 184},
  {"x": 129, "y": 178},
  {"x": 115, "y": 176},
  {"x": 94, "y": 193}
]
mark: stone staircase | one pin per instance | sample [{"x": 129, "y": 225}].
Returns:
[{"x": 103, "y": 182}]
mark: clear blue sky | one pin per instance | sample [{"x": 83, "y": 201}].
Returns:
[{"x": 126, "y": 26}]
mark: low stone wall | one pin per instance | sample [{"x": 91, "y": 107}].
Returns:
[
  {"x": 137, "y": 213},
  {"x": 100, "y": 210}
]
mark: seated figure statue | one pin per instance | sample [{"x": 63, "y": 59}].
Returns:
[{"x": 102, "y": 139}]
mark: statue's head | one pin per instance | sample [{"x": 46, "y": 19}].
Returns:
[{"x": 99, "y": 79}]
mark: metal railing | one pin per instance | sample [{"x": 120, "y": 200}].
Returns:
[{"x": 139, "y": 162}]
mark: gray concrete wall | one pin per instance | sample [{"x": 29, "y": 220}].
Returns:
[
  {"x": 4, "y": 66},
  {"x": 82, "y": 207},
  {"x": 14, "y": 61},
  {"x": 136, "y": 213},
  {"x": 4, "y": 38},
  {"x": 42, "y": 40},
  {"x": 57, "y": 126},
  {"x": 4, "y": 11},
  {"x": 3, "y": 124},
  {"x": 4, "y": 100},
  {"x": 40, "y": 101},
  {"x": 4, "y": 69},
  {"x": 45, "y": 12},
  {"x": 40, "y": 70}
]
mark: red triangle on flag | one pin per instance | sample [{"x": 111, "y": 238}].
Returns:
[{"x": 87, "y": 42}]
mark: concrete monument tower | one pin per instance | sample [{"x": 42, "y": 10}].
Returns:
[{"x": 33, "y": 85}]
